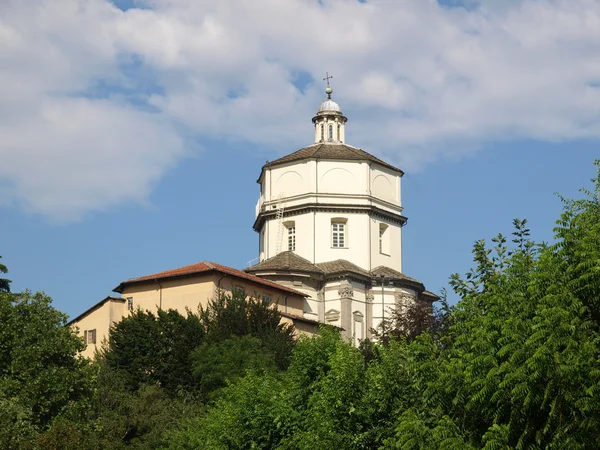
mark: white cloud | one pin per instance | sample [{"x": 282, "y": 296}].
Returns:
[{"x": 418, "y": 82}]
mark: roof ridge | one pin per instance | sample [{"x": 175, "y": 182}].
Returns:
[
  {"x": 319, "y": 147},
  {"x": 166, "y": 270},
  {"x": 330, "y": 151}
]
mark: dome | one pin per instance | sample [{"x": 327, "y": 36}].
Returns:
[{"x": 329, "y": 105}]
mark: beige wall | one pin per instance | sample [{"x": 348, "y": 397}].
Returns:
[
  {"x": 178, "y": 294},
  {"x": 196, "y": 291},
  {"x": 99, "y": 319}
]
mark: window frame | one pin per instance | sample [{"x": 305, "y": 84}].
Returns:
[
  {"x": 291, "y": 237},
  {"x": 89, "y": 336},
  {"x": 384, "y": 239},
  {"x": 336, "y": 232}
]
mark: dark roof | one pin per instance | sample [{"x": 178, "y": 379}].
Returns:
[
  {"x": 431, "y": 294},
  {"x": 285, "y": 261},
  {"x": 341, "y": 266},
  {"x": 202, "y": 267},
  {"x": 289, "y": 261},
  {"x": 331, "y": 150},
  {"x": 300, "y": 318},
  {"x": 96, "y": 306},
  {"x": 394, "y": 274}
]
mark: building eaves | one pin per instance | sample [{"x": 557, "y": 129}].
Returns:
[
  {"x": 285, "y": 261},
  {"x": 387, "y": 272},
  {"x": 204, "y": 267},
  {"x": 341, "y": 267},
  {"x": 300, "y": 318},
  {"x": 329, "y": 151},
  {"x": 431, "y": 295}
]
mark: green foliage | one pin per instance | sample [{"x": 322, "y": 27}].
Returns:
[
  {"x": 236, "y": 314},
  {"x": 246, "y": 416},
  {"x": 17, "y": 429},
  {"x": 4, "y": 283},
  {"x": 39, "y": 371},
  {"x": 413, "y": 319},
  {"x": 137, "y": 419},
  {"x": 155, "y": 349},
  {"x": 516, "y": 364},
  {"x": 215, "y": 363}
]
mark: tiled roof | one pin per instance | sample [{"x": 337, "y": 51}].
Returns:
[
  {"x": 330, "y": 151},
  {"x": 341, "y": 266},
  {"x": 391, "y": 273},
  {"x": 289, "y": 261},
  {"x": 285, "y": 261},
  {"x": 206, "y": 266},
  {"x": 430, "y": 294},
  {"x": 300, "y": 318}
]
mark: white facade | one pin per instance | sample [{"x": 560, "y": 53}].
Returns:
[
  {"x": 362, "y": 194},
  {"x": 329, "y": 219}
]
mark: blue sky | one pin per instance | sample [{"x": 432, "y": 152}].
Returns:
[{"x": 132, "y": 139}]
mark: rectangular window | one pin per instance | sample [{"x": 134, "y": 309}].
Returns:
[
  {"x": 266, "y": 299},
  {"x": 291, "y": 230},
  {"x": 338, "y": 234},
  {"x": 129, "y": 303},
  {"x": 89, "y": 336},
  {"x": 261, "y": 250},
  {"x": 384, "y": 239}
]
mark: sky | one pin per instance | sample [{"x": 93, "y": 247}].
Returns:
[{"x": 132, "y": 132}]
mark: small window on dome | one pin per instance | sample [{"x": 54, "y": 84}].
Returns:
[
  {"x": 330, "y": 132},
  {"x": 339, "y": 135},
  {"x": 322, "y": 132}
]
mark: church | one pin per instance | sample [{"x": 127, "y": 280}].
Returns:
[{"x": 329, "y": 220}]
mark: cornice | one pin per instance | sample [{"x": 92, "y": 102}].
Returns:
[{"x": 373, "y": 211}]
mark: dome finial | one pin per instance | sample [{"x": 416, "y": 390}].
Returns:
[{"x": 328, "y": 89}]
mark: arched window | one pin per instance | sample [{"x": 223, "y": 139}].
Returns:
[
  {"x": 322, "y": 132},
  {"x": 339, "y": 136},
  {"x": 331, "y": 132}
]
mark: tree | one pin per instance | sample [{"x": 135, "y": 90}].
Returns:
[
  {"x": 516, "y": 364},
  {"x": 412, "y": 319},
  {"x": 155, "y": 349},
  {"x": 40, "y": 372},
  {"x": 4, "y": 283},
  {"x": 236, "y": 314},
  {"x": 520, "y": 363},
  {"x": 215, "y": 363}
]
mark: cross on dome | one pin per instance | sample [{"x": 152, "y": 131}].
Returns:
[{"x": 328, "y": 89}]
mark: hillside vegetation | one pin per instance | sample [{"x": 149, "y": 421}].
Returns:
[{"x": 514, "y": 365}]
